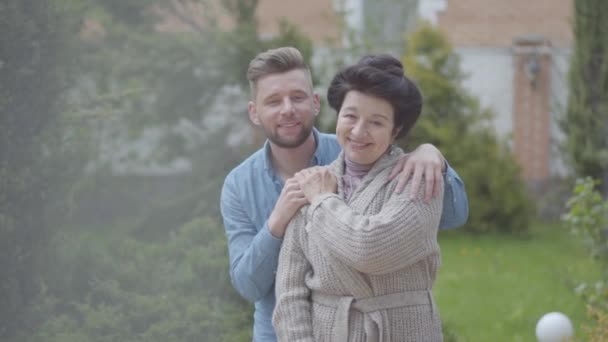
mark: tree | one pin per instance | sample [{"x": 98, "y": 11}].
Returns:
[
  {"x": 586, "y": 119},
  {"x": 453, "y": 121},
  {"x": 151, "y": 263},
  {"x": 34, "y": 40},
  {"x": 141, "y": 74}
]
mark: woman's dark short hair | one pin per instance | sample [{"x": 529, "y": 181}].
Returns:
[{"x": 380, "y": 76}]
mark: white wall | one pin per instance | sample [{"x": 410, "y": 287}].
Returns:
[
  {"x": 428, "y": 9},
  {"x": 490, "y": 79}
]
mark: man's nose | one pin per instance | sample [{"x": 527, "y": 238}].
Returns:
[{"x": 287, "y": 106}]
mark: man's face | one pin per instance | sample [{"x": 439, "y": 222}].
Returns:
[{"x": 285, "y": 107}]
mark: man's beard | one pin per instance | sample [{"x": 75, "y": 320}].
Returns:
[{"x": 276, "y": 139}]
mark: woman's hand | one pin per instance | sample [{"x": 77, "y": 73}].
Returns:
[{"x": 315, "y": 181}]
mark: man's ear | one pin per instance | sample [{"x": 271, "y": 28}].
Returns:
[
  {"x": 253, "y": 114},
  {"x": 316, "y": 102}
]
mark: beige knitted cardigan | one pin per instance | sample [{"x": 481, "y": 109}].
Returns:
[{"x": 377, "y": 244}]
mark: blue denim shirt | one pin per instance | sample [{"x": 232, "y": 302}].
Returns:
[{"x": 248, "y": 197}]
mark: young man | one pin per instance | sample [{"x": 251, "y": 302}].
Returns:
[{"x": 260, "y": 196}]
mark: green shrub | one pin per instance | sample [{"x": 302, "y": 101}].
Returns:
[
  {"x": 107, "y": 285},
  {"x": 587, "y": 217}
]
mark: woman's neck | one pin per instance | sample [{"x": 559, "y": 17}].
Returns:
[{"x": 355, "y": 169}]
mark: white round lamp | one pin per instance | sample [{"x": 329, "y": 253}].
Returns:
[{"x": 554, "y": 327}]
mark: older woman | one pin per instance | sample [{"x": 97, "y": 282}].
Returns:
[{"x": 359, "y": 263}]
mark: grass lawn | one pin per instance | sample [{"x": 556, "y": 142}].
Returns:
[{"x": 496, "y": 287}]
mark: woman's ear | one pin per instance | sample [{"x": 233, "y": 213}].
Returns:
[{"x": 396, "y": 131}]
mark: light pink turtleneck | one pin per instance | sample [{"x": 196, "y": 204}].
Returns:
[{"x": 353, "y": 174}]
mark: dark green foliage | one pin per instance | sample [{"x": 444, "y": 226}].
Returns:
[
  {"x": 34, "y": 41},
  {"x": 144, "y": 258},
  {"x": 124, "y": 289},
  {"x": 452, "y": 121},
  {"x": 136, "y": 77},
  {"x": 586, "y": 119}
]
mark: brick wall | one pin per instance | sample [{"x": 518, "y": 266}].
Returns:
[
  {"x": 531, "y": 122},
  {"x": 496, "y": 22},
  {"x": 316, "y": 18}
]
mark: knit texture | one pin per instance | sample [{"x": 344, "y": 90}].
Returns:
[{"x": 377, "y": 243}]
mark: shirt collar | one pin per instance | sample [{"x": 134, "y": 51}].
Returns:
[{"x": 315, "y": 158}]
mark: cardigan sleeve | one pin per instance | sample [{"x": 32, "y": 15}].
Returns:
[
  {"x": 292, "y": 315},
  {"x": 401, "y": 234}
]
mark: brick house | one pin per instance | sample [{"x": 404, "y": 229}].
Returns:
[{"x": 515, "y": 53}]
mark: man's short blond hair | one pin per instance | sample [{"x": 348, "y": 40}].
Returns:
[{"x": 275, "y": 61}]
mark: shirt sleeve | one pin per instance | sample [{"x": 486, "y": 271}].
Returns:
[
  {"x": 292, "y": 318},
  {"x": 401, "y": 234},
  {"x": 455, "y": 202},
  {"x": 253, "y": 254}
]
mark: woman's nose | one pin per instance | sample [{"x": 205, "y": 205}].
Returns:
[{"x": 359, "y": 129}]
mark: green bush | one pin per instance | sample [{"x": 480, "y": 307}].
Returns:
[
  {"x": 453, "y": 121},
  {"x": 107, "y": 285},
  {"x": 587, "y": 218}
]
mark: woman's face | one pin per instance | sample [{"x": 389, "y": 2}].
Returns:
[{"x": 365, "y": 127}]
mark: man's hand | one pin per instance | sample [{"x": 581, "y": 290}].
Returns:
[
  {"x": 290, "y": 200},
  {"x": 424, "y": 162},
  {"x": 315, "y": 181}
]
